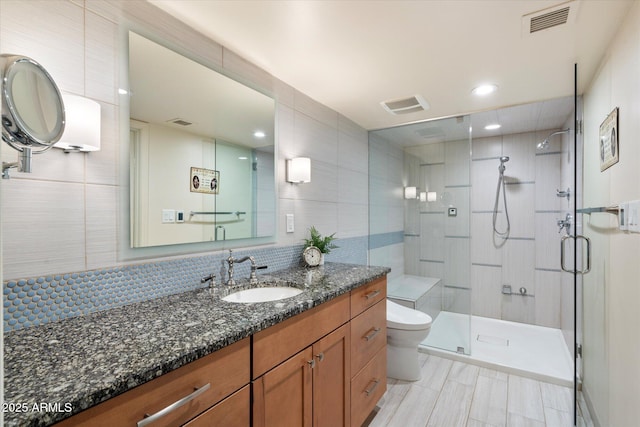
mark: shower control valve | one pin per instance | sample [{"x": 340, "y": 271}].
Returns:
[{"x": 565, "y": 223}]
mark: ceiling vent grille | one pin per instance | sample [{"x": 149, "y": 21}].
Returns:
[
  {"x": 412, "y": 104},
  {"x": 180, "y": 122},
  {"x": 555, "y": 16},
  {"x": 548, "y": 20}
]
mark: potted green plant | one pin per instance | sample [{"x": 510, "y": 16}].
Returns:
[{"x": 324, "y": 244}]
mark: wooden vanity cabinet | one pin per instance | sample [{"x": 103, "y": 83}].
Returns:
[
  {"x": 324, "y": 367},
  {"x": 222, "y": 377},
  {"x": 368, "y": 348},
  {"x": 310, "y": 388}
]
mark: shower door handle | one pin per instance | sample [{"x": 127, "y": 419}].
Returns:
[{"x": 562, "y": 257}]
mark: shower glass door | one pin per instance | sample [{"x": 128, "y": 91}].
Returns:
[{"x": 420, "y": 173}]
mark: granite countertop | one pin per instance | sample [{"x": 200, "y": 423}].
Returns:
[{"x": 76, "y": 363}]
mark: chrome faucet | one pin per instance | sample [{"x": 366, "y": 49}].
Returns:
[{"x": 253, "y": 279}]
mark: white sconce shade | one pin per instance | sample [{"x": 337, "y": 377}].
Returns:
[
  {"x": 423, "y": 196},
  {"x": 432, "y": 196},
  {"x": 299, "y": 170},
  {"x": 410, "y": 192},
  {"x": 82, "y": 124}
]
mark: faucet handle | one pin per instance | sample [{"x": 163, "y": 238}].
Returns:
[
  {"x": 210, "y": 278},
  {"x": 253, "y": 278}
]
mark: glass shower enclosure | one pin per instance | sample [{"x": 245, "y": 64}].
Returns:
[{"x": 420, "y": 222}]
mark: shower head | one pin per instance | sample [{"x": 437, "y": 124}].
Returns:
[
  {"x": 545, "y": 144},
  {"x": 502, "y": 167}
]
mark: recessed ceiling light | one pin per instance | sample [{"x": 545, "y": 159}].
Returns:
[
  {"x": 493, "y": 126},
  {"x": 259, "y": 134},
  {"x": 242, "y": 158},
  {"x": 483, "y": 90}
]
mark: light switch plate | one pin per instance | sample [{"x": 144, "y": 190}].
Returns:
[
  {"x": 623, "y": 216},
  {"x": 168, "y": 216},
  {"x": 633, "y": 216},
  {"x": 290, "y": 223}
]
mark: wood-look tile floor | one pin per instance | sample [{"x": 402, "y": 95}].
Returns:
[{"x": 452, "y": 394}]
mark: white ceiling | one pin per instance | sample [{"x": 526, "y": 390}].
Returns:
[
  {"x": 352, "y": 55},
  {"x": 538, "y": 116}
]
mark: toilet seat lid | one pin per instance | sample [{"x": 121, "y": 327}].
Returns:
[{"x": 401, "y": 317}]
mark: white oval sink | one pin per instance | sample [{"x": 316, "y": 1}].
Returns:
[{"x": 263, "y": 294}]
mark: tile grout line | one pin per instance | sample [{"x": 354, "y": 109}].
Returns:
[
  {"x": 473, "y": 394},
  {"x": 439, "y": 393}
]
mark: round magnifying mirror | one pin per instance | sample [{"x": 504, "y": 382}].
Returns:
[{"x": 32, "y": 108}]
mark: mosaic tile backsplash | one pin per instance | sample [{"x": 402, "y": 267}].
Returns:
[{"x": 36, "y": 301}]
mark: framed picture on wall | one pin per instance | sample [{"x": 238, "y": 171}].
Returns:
[
  {"x": 205, "y": 181},
  {"x": 609, "y": 143}
]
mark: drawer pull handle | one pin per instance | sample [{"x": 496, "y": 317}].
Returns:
[
  {"x": 320, "y": 357},
  {"x": 372, "y": 334},
  {"x": 148, "y": 419},
  {"x": 372, "y": 294},
  {"x": 373, "y": 387}
]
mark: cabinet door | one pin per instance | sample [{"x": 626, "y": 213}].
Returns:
[
  {"x": 331, "y": 379},
  {"x": 283, "y": 396}
]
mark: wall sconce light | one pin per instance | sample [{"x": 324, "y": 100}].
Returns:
[
  {"x": 432, "y": 196},
  {"x": 82, "y": 127},
  {"x": 299, "y": 170},
  {"x": 410, "y": 192}
]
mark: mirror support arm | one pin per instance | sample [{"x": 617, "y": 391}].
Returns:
[{"x": 5, "y": 169}]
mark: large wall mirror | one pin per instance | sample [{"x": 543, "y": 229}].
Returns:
[{"x": 201, "y": 152}]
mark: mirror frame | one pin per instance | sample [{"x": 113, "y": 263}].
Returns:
[
  {"x": 124, "y": 250},
  {"x": 11, "y": 133}
]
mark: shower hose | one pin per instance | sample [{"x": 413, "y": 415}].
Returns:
[{"x": 501, "y": 234}]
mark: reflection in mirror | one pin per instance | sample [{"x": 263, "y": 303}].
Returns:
[{"x": 202, "y": 152}]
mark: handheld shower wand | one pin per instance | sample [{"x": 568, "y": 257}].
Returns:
[{"x": 501, "y": 183}]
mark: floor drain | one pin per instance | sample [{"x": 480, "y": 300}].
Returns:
[{"x": 493, "y": 340}]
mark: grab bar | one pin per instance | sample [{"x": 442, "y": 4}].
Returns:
[
  {"x": 237, "y": 213},
  {"x": 615, "y": 210}
]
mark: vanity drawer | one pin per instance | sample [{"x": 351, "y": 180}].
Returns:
[
  {"x": 367, "y": 295},
  {"x": 368, "y": 335},
  {"x": 277, "y": 343},
  {"x": 231, "y": 412},
  {"x": 368, "y": 386},
  {"x": 224, "y": 371}
]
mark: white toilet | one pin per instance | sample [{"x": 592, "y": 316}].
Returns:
[{"x": 406, "y": 328}]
